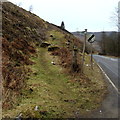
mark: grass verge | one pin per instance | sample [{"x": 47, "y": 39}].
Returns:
[{"x": 58, "y": 95}]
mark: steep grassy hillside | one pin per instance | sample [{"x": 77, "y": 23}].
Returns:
[{"x": 40, "y": 79}]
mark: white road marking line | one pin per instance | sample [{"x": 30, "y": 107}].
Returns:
[
  {"x": 109, "y": 80},
  {"x": 110, "y": 68},
  {"x": 113, "y": 59}
]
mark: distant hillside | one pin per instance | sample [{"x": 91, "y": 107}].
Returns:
[{"x": 98, "y": 35}]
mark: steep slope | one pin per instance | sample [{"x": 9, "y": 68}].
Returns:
[{"x": 40, "y": 79}]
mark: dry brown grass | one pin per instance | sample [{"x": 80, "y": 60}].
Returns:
[{"x": 15, "y": 55}]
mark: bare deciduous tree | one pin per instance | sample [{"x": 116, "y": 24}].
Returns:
[
  {"x": 30, "y": 8},
  {"x": 109, "y": 44},
  {"x": 119, "y": 16},
  {"x": 116, "y": 17}
]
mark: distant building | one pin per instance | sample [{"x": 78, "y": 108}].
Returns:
[{"x": 119, "y": 16}]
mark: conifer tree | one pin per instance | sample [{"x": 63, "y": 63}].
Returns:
[{"x": 62, "y": 25}]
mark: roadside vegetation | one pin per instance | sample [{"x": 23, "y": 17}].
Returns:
[
  {"x": 56, "y": 93},
  {"x": 40, "y": 77},
  {"x": 110, "y": 44}
]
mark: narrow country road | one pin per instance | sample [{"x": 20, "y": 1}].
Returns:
[
  {"x": 110, "y": 67},
  {"x": 110, "y": 106}
]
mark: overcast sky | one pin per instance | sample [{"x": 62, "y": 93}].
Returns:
[{"x": 94, "y": 15}]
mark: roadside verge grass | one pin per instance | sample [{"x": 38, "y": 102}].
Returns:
[{"x": 56, "y": 94}]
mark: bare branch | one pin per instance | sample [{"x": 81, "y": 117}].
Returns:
[{"x": 30, "y": 8}]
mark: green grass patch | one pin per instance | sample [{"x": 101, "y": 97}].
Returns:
[
  {"x": 57, "y": 95},
  {"x": 57, "y": 39}
]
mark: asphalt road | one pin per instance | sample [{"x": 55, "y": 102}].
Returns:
[
  {"x": 110, "y": 67},
  {"x": 110, "y": 107}
]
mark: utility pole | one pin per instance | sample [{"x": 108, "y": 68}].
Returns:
[
  {"x": 91, "y": 59},
  {"x": 84, "y": 46}
]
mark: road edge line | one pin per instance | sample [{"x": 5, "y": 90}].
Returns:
[{"x": 109, "y": 79}]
